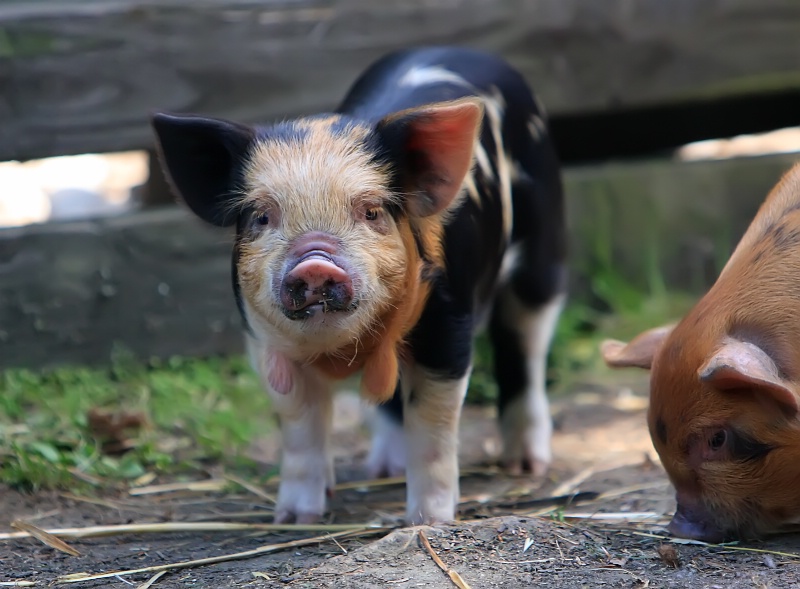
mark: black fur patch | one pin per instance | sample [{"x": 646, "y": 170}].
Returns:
[
  {"x": 394, "y": 406},
  {"x": 203, "y": 158},
  {"x": 661, "y": 431},
  {"x": 237, "y": 288},
  {"x": 785, "y": 238},
  {"x": 442, "y": 340},
  {"x": 474, "y": 238},
  {"x": 510, "y": 370}
]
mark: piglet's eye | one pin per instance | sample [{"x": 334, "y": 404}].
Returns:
[
  {"x": 262, "y": 219},
  {"x": 717, "y": 440},
  {"x": 372, "y": 214}
]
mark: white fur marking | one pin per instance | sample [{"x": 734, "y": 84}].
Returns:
[
  {"x": 509, "y": 263},
  {"x": 537, "y": 128},
  {"x": 540, "y": 107},
  {"x": 387, "y": 456},
  {"x": 526, "y": 423},
  {"x": 431, "y": 425},
  {"x": 472, "y": 190},
  {"x": 306, "y": 464},
  {"x": 306, "y": 473},
  {"x": 517, "y": 172},
  {"x": 483, "y": 160},
  {"x": 305, "y": 421},
  {"x": 495, "y": 106},
  {"x": 431, "y": 74}
]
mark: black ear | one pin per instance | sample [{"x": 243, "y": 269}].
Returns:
[
  {"x": 203, "y": 158},
  {"x": 433, "y": 146}
]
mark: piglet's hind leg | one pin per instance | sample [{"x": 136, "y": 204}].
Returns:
[
  {"x": 387, "y": 456},
  {"x": 521, "y": 337}
]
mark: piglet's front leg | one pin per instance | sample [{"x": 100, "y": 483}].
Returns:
[
  {"x": 304, "y": 414},
  {"x": 432, "y": 408},
  {"x": 306, "y": 466}
]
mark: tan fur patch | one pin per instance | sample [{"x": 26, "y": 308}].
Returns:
[{"x": 323, "y": 170}]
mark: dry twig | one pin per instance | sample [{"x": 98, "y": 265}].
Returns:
[
  {"x": 194, "y": 527},
  {"x": 45, "y": 537},
  {"x": 149, "y": 583},
  {"x": 251, "y": 488},
  {"x": 79, "y": 577},
  {"x": 454, "y": 576},
  {"x": 197, "y": 486}
]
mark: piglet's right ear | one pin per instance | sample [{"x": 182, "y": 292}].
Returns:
[
  {"x": 434, "y": 146},
  {"x": 203, "y": 158},
  {"x": 639, "y": 352}
]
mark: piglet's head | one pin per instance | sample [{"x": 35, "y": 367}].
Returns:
[
  {"x": 723, "y": 417},
  {"x": 331, "y": 213}
]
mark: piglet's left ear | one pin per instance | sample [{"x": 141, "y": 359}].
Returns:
[
  {"x": 433, "y": 148},
  {"x": 743, "y": 365}
]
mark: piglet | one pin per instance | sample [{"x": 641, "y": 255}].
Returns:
[
  {"x": 725, "y": 385},
  {"x": 376, "y": 239}
]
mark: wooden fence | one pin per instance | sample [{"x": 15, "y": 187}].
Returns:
[{"x": 620, "y": 79}]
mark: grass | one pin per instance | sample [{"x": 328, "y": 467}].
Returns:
[
  {"x": 198, "y": 412},
  {"x": 206, "y": 413}
]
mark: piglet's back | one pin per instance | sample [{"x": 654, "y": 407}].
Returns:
[{"x": 757, "y": 295}]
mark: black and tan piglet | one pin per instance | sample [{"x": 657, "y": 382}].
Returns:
[{"x": 376, "y": 239}]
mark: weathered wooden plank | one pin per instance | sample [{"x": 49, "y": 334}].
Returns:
[
  {"x": 81, "y": 76},
  {"x": 663, "y": 225},
  {"x": 158, "y": 282}
]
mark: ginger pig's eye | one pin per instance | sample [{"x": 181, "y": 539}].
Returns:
[{"x": 717, "y": 440}]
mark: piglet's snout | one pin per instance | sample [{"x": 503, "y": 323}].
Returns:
[
  {"x": 693, "y": 521},
  {"x": 316, "y": 283}
]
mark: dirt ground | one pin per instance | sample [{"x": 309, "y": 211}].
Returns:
[{"x": 601, "y": 446}]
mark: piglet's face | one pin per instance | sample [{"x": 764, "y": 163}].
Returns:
[
  {"x": 726, "y": 430},
  {"x": 729, "y": 458},
  {"x": 335, "y": 216},
  {"x": 319, "y": 249}
]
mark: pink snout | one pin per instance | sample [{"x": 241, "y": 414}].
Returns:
[{"x": 316, "y": 283}]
